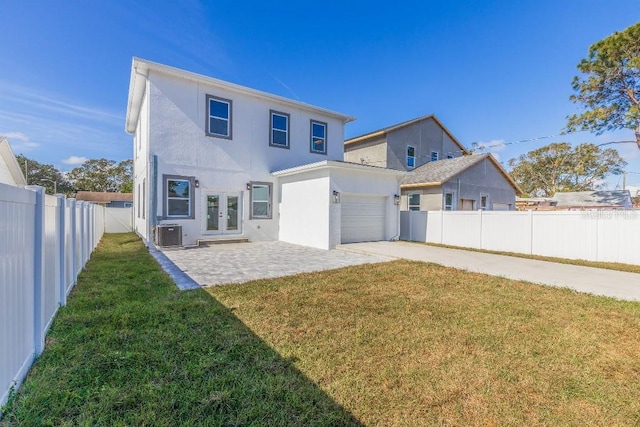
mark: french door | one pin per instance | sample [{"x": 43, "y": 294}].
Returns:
[{"x": 223, "y": 213}]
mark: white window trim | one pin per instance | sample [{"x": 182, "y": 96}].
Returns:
[
  {"x": 453, "y": 201},
  {"x": 272, "y": 129},
  {"x": 269, "y": 185},
  {"x": 411, "y": 157},
  {"x": 486, "y": 206},
  {"x": 409, "y": 205},
  {"x": 208, "y": 132},
  {"x": 165, "y": 196},
  {"x": 324, "y": 142},
  {"x": 437, "y": 156}
]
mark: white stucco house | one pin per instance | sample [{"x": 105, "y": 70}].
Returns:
[
  {"x": 10, "y": 172},
  {"x": 225, "y": 161}
]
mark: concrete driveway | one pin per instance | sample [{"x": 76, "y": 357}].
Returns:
[
  {"x": 241, "y": 262},
  {"x": 595, "y": 281}
]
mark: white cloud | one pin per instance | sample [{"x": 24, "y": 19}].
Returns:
[
  {"x": 74, "y": 160},
  {"x": 19, "y": 141},
  {"x": 493, "y": 146}
]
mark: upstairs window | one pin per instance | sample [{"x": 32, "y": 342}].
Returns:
[
  {"x": 218, "y": 117},
  {"x": 411, "y": 156},
  {"x": 414, "y": 201},
  {"x": 435, "y": 156},
  {"x": 449, "y": 156},
  {"x": 318, "y": 137},
  {"x": 279, "y": 129}
]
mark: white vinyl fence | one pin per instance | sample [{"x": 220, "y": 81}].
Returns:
[
  {"x": 45, "y": 241},
  {"x": 118, "y": 220},
  {"x": 612, "y": 236}
]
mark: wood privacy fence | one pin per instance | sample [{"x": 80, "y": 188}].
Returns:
[
  {"x": 612, "y": 236},
  {"x": 45, "y": 241}
]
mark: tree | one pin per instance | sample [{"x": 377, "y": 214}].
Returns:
[
  {"x": 46, "y": 175},
  {"x": 559, "y": 167},
  {"x": 103, "y": 175},
  {"x": 124, "y": 175},
  {"x": 610, "y": 88}
]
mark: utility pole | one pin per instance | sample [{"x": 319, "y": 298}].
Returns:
[
  {"x": 26, "y": 172},
  {"x": 55, "y": 184},
  {"x": 624, "y": 180}
]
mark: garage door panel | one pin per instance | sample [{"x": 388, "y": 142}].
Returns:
[{"x": 363, "y": 218}]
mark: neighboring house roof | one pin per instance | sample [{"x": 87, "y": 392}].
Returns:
[
  {"x": 441, "y": 171},
  {"x": 603, "y": 198},
  {"x": 337, "y": 164},
  {"x": 140, "y": 72},
  {"x": 103, "y": 197},
  {"x": 10, "y": 171},
  {"x": 386, "y": 130}
]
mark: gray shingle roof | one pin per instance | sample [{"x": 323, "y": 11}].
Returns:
[
  {"x": 442, "y": 170},
  {"x": 593, "y": 198}
]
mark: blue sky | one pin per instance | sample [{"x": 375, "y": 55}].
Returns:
[{"x": 492, "y": 71}]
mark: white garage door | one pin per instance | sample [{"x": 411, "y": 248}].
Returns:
[
  {"x": 363, "y": 218},
  {"x": 501, "y": 207}
]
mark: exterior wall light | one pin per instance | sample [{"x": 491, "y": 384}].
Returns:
[
  {"x": 396, "y": 199},
  {"x": 248, "y": 186},
  {"x": 336, "y": 197},
  {"x": 196, "y": 183}
]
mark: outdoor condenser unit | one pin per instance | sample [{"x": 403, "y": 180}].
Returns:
[{"x": 169, "y": 235}]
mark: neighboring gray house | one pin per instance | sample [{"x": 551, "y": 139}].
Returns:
[
  {"x": 107, "y": 199},
  {"x": 404, "y": 146},
  {"x": 469, "y": 182},
  {"x": 442, "y": 176},
  {"x": 604, "y": 199}
]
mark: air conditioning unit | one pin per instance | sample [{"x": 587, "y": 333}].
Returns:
[{"x": 168, "y": 235}]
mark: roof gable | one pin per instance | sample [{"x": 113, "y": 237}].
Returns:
[
  {"x": 384, "y": 131},
  {"x": 441, "y": 171},
  {"x": 11, "y": 165}
]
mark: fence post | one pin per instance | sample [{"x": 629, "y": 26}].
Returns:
[
  {"x": 81, "y": 213},
  {"x": 62, "y": 259},
  {"x": 531, "y": 231},
  {"x": 71, "y": 203},
  {"x": 481, "y": 233},
  {"x": 38, "y": 268}
]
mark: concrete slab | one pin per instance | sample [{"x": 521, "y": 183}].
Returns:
[
  {"x": 241, "y": 262},
  {"x": 611, "y": 283}
]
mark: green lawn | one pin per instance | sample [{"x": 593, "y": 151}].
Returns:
[
  {"x": 131, "y": 349},
  {"x": 399, "y": 343}
]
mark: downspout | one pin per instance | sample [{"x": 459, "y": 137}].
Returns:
[
  {"x": 457, "y": 194},
  {"x": 397, "y": 236},
  {"x": 153, "y": 211}
]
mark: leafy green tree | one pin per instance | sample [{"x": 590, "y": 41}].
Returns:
[
  {"x": 46, "y": 175},
  {"x": 124, "y": 175},
  {"x": 561, "y": 167},
  {"x": 609, "y": 89},
  {"x": 103, "y": 175}
]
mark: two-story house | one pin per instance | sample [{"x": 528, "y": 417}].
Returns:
[
  {"x": 441, "y": 174},
  {"x": 222, "y": 161}
]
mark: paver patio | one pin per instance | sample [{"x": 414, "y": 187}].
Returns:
[{"x": 241, "y": 262}]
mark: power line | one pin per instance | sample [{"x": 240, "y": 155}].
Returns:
[{"x": 504, "y": 144}]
